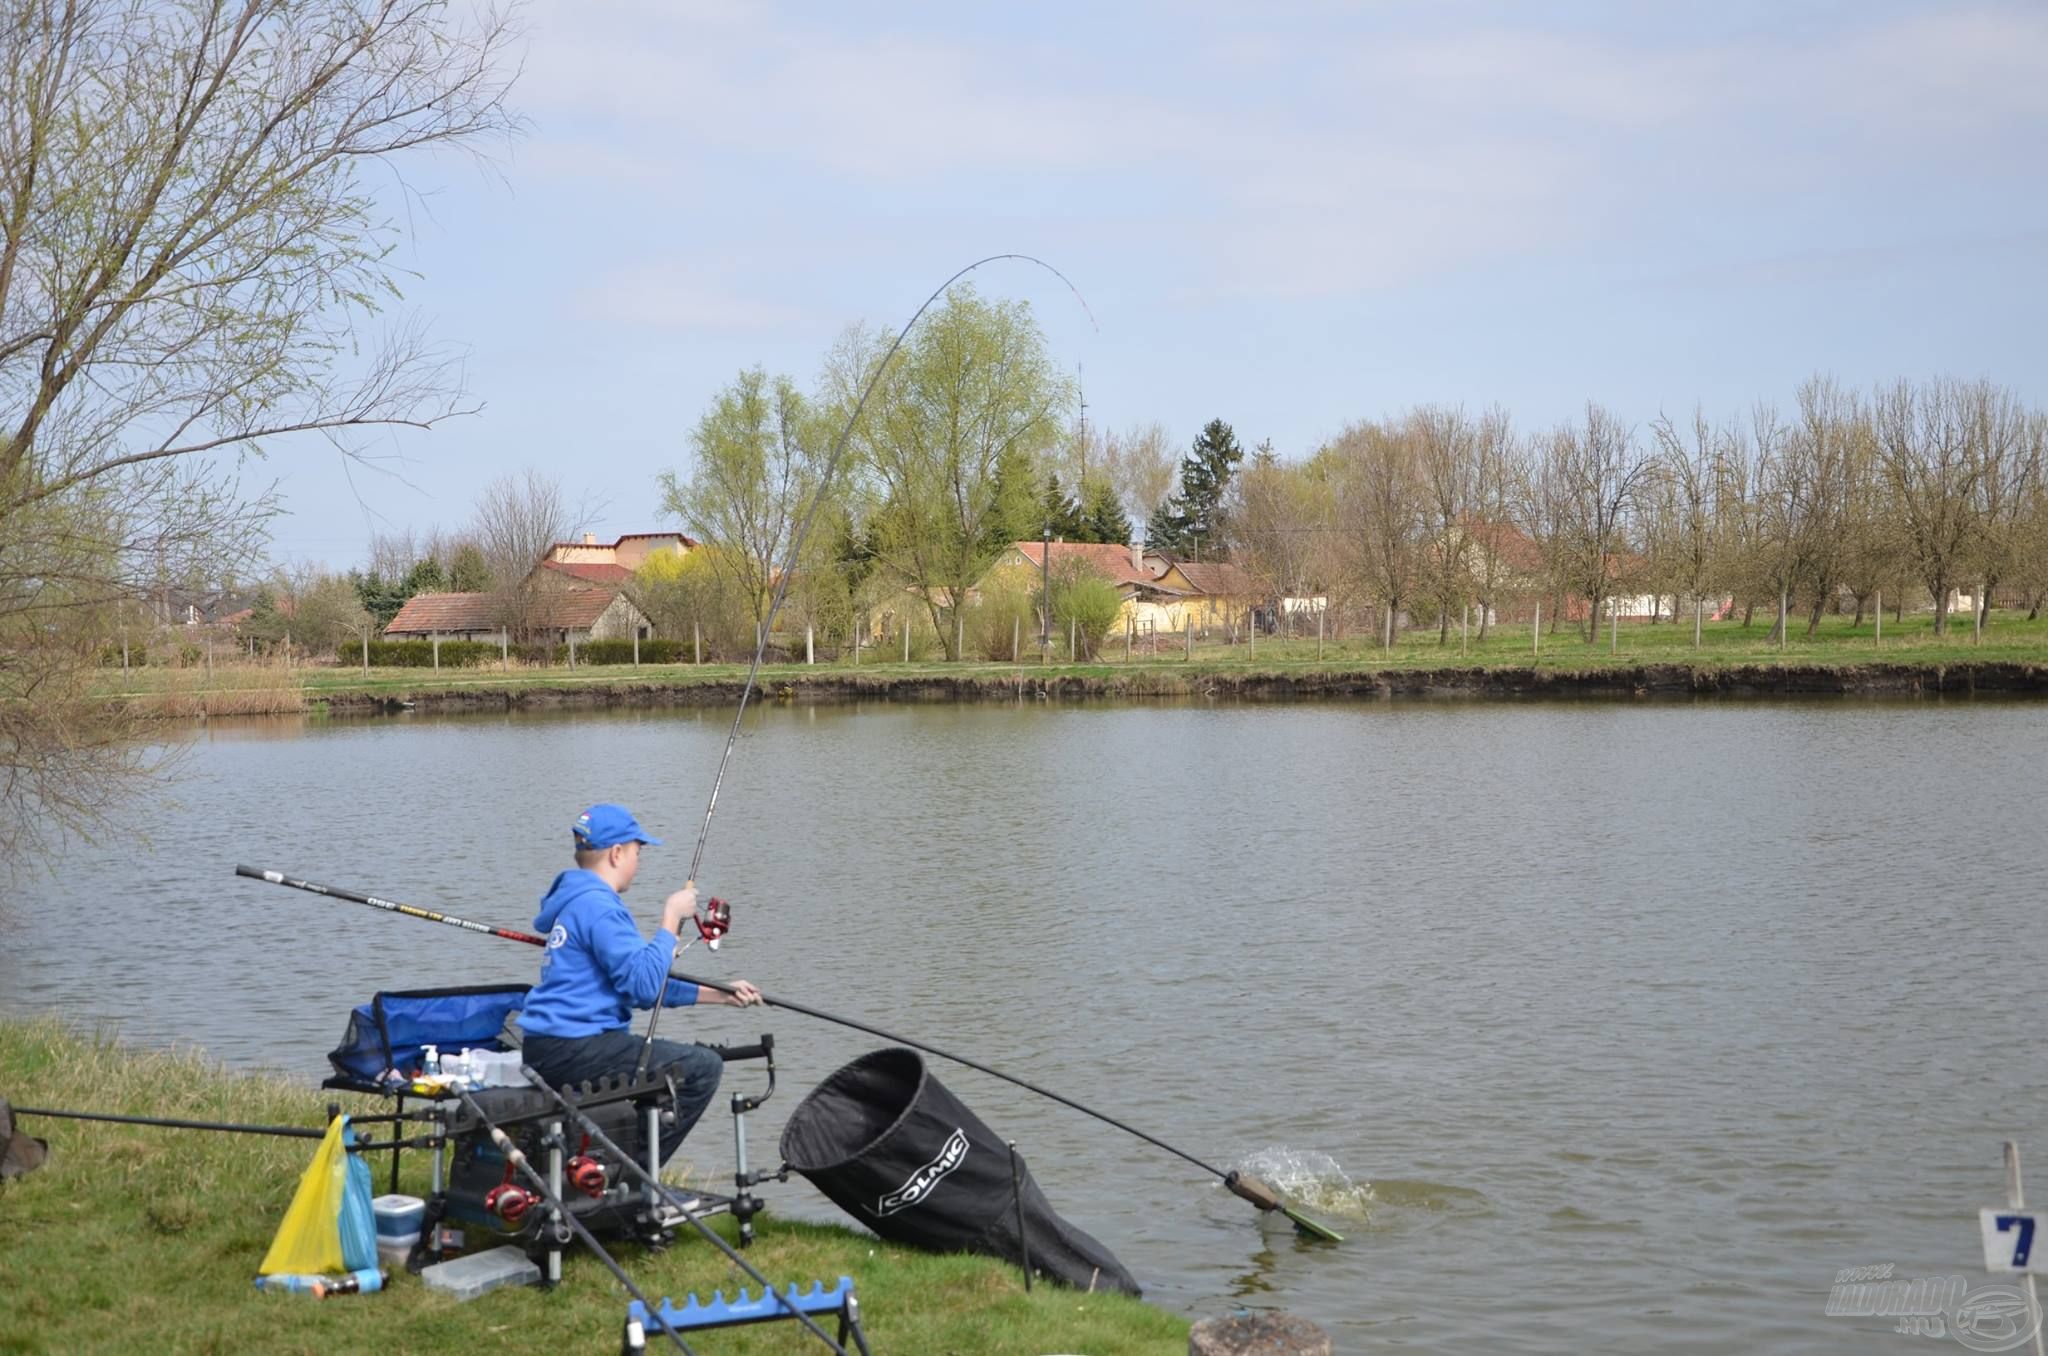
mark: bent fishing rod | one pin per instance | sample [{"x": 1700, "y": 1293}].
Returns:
[
  {"x": 1241, "y": 1184},
  {"x": 796, "y": 544}
]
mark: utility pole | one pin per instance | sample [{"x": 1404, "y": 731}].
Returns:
[{"x": 1045, "y": 586}]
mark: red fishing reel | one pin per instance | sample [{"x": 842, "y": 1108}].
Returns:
[
  {"x": 714, "y": 921},
  {"x": 586, "y": 1174},
  {"x": 509, "y": 1202}
]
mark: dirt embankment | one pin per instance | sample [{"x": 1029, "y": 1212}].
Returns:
[{"x": 1629, "y": 682}]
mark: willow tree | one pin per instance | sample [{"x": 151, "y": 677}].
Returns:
[
  {"x": 758, "y": 460},
  {"x": 952, "y": 441},
  {"x": 190, "y": 246}
]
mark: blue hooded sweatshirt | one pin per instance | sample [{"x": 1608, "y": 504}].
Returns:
[{"x": 596, "y": 969}]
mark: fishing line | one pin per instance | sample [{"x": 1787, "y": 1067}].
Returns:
[{"x": 789, "y": 569}]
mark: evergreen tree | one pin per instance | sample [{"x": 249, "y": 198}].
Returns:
[
  {"x": 1060, "y": 513},
  {"x": 425, "y": 577},
  {"x": 469, "y": 572},
  {"x": 1012, "y": 512},
  {"x": 1191, "y": 523},
  {"x": 1166, "y": 530},
  {"x": 380, "y": 597},
  {"x": 1103, "y": 518},
  {"x": 1204, "y": 478}
]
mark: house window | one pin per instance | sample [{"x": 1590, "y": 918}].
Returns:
[{"x": 644, "y": 633}]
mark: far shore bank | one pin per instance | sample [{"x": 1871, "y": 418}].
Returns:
[
  {"x": 338, "y": 692},
  {"x": 1628, "y": 681}
]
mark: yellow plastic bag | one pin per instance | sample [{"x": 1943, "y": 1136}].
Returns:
[{"x": 308, "y": 1243}]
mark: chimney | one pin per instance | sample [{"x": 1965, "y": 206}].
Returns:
[
  {"x": 1137, "y": 558},
  {"x": 590, "y": 539}
]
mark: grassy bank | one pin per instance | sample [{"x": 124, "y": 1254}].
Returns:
[
  {"x": 138, "y": 1239},
  {"x": 1729, "y": 658}
]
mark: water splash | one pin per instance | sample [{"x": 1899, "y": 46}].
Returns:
[{"x": 1311, "y": 1180}]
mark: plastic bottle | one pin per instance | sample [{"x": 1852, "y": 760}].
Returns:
[
  {"x": 364, "y": 1282},
  {"x": 302, "y": 1285},
  {"x": 430, "y": 1061}
]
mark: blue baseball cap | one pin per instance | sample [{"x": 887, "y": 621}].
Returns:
[{"x": 608, "y": 825}]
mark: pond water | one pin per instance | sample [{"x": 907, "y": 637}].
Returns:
[{"x": 1628, "y": 1025}]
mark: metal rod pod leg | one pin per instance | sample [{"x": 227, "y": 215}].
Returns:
[{"x": 1017, "y": 1200}]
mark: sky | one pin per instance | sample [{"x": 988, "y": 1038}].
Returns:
[{"x": 1287, "y": 215}]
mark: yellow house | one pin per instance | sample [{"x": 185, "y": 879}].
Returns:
[
  {"x": 1217, "y": 594},
  {"x": 1158, "y": 593}
]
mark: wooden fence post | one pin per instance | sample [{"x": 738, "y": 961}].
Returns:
[
  {"x": 366, "y": 654},
  {"x": 1536, "y": 630},
  {"x": 1699, "y": 617},
  {"x": 696, "y": 643},
  {"x": 906, "y": 640},
  {"x": 1073, "y": 634},
  {"x": 1016, "y": 638},
  {"x": 437, "y": 651},
  {"x": 959, "y": 634},
  {"x": 1130, "y": 625},
  {"x": 505, "y": 648},
  {"x": 1187, "y": 625},
  {"x": 636, "y": 647},
  {"x": 570, "y": 632},
  {"x": 1879, "y": 617},
  {"x": 810, "y": 648}
]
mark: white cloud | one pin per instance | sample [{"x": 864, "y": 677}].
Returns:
[{"x": 1368, "y": 160}]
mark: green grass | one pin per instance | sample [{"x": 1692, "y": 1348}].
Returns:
[
  {"x": 146, "y": 1240},
  {"x": 1837, "y": 644}
]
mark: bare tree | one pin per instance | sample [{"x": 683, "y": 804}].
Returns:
[
  {"x": 1280, "y": 517},
  {"x": 517, "y": 519},
  {"x": 1597, "y": 470},
  {"x": 1446, "y": 465},
  {"x": 1926, "y": 446},
  {"x": 188, "y": 252},
  {"x": 1499, "y": 476},
  {"x": 1140, "y": 464},
  {"x": 1687, "y": 477},
  {"x": 1379, "y": 512},
  {"x": 2006, "y": 443}
]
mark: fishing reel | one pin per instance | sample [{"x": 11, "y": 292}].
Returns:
[
  {"x": 587, "y": 1175},
  {"x": 510, "y": 1202},
  {"x": 714, "y": 920}
]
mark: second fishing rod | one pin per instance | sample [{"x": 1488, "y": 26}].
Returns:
[{"x": 1241, "y": 1184}]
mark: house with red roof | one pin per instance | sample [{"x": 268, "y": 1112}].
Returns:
[{"x": 553, "y": 614}]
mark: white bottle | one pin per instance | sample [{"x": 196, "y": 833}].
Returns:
[{"x": 430, "y": 1063}]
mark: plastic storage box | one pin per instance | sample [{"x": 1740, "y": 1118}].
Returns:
[
  {"x": 393, "y": 1249},
  {"x": 467, "y": 1277},
  {"x": 398, "y": 1216}
]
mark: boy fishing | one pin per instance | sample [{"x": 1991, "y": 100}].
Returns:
[{"x": 596, "y": 970}]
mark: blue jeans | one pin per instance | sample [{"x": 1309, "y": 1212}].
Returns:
[{"x": 694, "y": 1070}]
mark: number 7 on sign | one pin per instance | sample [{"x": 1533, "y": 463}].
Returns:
[{"x": 2009, "y": 1240}]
